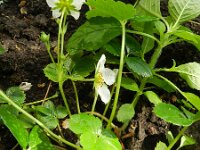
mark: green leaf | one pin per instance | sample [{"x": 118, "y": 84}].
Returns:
[
  {"x": 110, "y": 8},
  {"x": 38, "y": 140},
  {"x": 161, "y": 84},
  {"x": 170, "y": 137},
  {"x": 184, "y": 10},
  {"x": 99, "y": 141},
  {"x": 151, "y": 6},
  {"x": 186, "y": 140},
  {"x": 160, "y": 26},
  {"x": 113, "y": 47},
  {"x": 50, "y": 121},
  {"x": 153, "y": 97},
  {"x": 84, "y": 66},
  {"x": 193, "y": 99},
  {"x": 129, "y": 84},
  {"x": 2, "y": 50},
  {"x": 83, "y": 123},
  {"x": 161, "y": 146},
  {"x": 52, "y": 73},
  {"x": 93, "y": 34},
  {"x": 47, "y": 114},
  {"x": 189, "y": 37},
  {"x": 15, "y": 126},
  {"x": 172, "y": 114},
  {"x": 132, "y": 46},
  {"x": 190, "y": 72},
  {"x": 18, "y": 96},
  {"x": 138, "y": 66},
  {"x": 61, "y": 112},
  {"x": 125, "y": 113},
  {"x": 148, "y": 43}
]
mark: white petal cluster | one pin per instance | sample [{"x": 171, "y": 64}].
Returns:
[
  {"x": 104, "y": 77},
  {"x": 56, "y": 12}
]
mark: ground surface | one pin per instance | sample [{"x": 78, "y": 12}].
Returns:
[{"x": 26, "y": 56}]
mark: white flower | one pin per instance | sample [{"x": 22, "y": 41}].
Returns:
[
  {"x": 56, "y": 11},
  {"x": 103, "y": 77},
  {"x": 25, "y": 86}
]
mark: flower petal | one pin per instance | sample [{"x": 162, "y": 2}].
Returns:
[
  {"x": 109, "y": 76},
  {"x": 75, "y": 14},
  {"x": 25, "y": 86},
  {"x": 51, "y": 3},
  {"x": 101, "y": 63},
  {"x": 104, "y": 93},
  {"x": 77, "y": 4},
  {"x": 56, "y": 13}
]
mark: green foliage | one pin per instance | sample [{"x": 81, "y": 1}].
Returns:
[
  {"x": 183, "y": 10},
  {"x": 133, "y": 47},
  {"x": 148, "y": 43},
  {"x": 138, "y": 66},
  {"x": 18, "y": 96},
  {"x": 151, "y": 6},
  {"x": 161, "y": 146},
  {"x": 2, "y": 50},
  {"x": 113, "y": 47},
  {"x": 53, "y": 73},
  {"x": 161, "y": 84},
  {"x": 83, "y": 66},
  {"x": 173, "y": 115},
  {"x": 49, "y": 114},
  {"x": 153, "y": 97},
  {"x": 129, "y": 84},
  {"x": 38, "y": 140},
  {"x": 186, "y": 140},
  {"x": 105, "y": 140},
  {"x": 190, "y": 72},
  {"x": 83, "y": 123},
  {"x": 110, "y": 8},
  {"x": 90, "y": 127},
  {"x": 15, "y": 126},
  {"x": 125, "y": 113},
  {"x": 193, "y": 99},
  {"x": 93, "y": 34},
  {"x": 189, "y": 37}
]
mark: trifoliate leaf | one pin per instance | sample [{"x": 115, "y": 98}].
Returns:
[
  {"x": 110, "y": 8},
  {"x": 83, "y": 123},
  {"x": 125, "y": 113}
]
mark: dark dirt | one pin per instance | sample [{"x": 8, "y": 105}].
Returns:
[{"x": 26, "y": 56}]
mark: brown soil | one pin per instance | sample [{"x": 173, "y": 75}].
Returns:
[{"x": 26, "y": 57}]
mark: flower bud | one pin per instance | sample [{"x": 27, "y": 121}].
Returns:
[{"x": 44, "y": 37}]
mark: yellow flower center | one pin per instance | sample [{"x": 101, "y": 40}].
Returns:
[{"x": 98, "y": 80}]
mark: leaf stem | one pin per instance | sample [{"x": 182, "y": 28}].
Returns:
[
  {"x": 64, "y": 98},
  {"x": 7, "y": 99},
  {"x": 119, "y": 78},
  {"x": 95, "y": 101},
  {"x": 177, "y": 138},
  {"x": 41, "y": 101},
  {"x": 76, "y": 96}
]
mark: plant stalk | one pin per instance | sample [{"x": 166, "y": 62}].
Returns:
[
  {"x": 119, "y": 78},
  {"x": 177, "y": 138}
]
